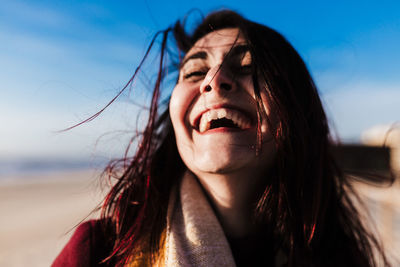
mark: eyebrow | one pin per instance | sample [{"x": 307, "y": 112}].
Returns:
[
  {"x": 200, "y": 54},
  {"x": 234, "y": 51}
]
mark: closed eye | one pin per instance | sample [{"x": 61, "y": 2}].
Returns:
[{"x": 194, "y": 74}]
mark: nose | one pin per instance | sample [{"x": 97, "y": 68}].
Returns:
[{"x": 217, "y": 79}]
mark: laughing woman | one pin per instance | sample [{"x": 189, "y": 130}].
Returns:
[{"x": 237, "y": 171}]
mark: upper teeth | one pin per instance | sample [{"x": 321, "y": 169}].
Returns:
[{"x": 238, "y": 118}]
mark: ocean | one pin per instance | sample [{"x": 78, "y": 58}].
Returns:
[{"x": 25, "y": 168}]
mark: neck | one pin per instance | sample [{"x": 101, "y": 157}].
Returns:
[{"x": 233, "y": 197}]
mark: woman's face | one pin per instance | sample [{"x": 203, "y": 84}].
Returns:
[{"x": 213, "y": 108}]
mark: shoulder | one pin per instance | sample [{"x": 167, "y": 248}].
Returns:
[{"x": 85, "y": 248}]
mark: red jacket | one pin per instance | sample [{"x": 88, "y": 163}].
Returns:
[{"x": 87, "y": 247}]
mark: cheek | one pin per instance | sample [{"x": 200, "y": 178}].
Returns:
[
  {"x": 180, "y": 102},
  {"x": 248, "y": 84},
  {"x": 267, "y": 113},
  {"x": 266, "y": 102},
  {"x": 179, "y": 107},
  {"x": 175, "y": 105}
]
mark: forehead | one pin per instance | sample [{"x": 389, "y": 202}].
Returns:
[
  {"x": 219, "y": 40},
  {"x": 224, "y": 37}
]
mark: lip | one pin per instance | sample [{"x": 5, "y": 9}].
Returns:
[
  {"x": 196, "y": 121},
  {"x": 223, "y": 130}
]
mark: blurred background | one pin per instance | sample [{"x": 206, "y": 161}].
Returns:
[{"x": 62, "y": 61}]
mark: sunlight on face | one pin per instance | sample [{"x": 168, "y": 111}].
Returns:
[{"x": 213, "y": 108}]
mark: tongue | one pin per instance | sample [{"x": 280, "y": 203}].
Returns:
[{"x": 222, "y": 123}]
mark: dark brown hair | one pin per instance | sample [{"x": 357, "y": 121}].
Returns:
[{"x": 306, "y": 202}]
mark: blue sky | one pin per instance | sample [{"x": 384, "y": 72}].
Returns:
[{"x": 61, "y": 61}]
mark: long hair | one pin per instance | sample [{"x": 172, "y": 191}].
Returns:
[{"x": 306, "y": 202}]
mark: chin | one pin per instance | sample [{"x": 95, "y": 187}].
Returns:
[{"x": 220, "y": 164}]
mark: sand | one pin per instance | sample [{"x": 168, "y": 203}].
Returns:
[
  {"x": 38, "y": 215},
  {"x": 383, "y": 207}
]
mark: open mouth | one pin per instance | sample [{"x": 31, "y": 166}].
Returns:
[{"x": 223, "y": 118}]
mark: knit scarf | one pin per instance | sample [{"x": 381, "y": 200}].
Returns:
[{"x": 194, "y": 236}]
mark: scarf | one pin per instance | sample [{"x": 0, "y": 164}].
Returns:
[{"x": 194, "y": 235}]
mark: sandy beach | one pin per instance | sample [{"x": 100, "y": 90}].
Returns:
[
  {"x": 383, "y": 207},
  {"x": 38, "y": 214}
]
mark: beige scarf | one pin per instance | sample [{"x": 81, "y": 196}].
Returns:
[{"x": 194, "y": 236}]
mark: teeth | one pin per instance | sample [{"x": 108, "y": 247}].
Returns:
[
  {"x": 238, "y": 118},
  {"x": 222, "y": 113},
  {"x": 204, "y": 125}
]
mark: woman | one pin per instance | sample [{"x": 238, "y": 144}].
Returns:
[{"x": 237, "y": 171}]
